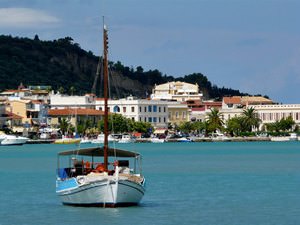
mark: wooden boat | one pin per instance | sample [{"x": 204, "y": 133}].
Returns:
[{"x": 97, "y": 176}]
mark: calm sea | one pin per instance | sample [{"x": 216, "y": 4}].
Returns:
[{"x": 251, "y": 183}]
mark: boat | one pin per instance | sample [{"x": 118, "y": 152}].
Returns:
[
  {"x": 100, "y": 139},
  {"x": 293, "y": 137},
  {"x": 127, "y": 138},
  {"x": 100, "y": 176},
  {"x": 13, "y": 140},
  {"x": 66, "y": 140},
  {"x": 85, "y": 140},
  {"x": 184, "y": 139},
  {"x": 2, "y": 137},
  {"x": 157, "y": 140}
]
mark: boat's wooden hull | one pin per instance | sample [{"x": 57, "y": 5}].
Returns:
[{"x": 104, "y": 193}]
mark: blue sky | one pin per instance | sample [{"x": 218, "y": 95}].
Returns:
[{"x": 253, "y": 46}]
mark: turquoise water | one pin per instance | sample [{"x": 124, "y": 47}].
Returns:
[{"x": 187, "y": 183}]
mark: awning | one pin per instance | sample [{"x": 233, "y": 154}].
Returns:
[
  {"x": 100, "y": 152},
  {"x": 160, "y": 131}
]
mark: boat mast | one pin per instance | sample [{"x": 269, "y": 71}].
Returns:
[{"x": 105, "y": 83}]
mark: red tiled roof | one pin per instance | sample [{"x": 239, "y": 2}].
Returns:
[
  {"x": 12, "y": 115},
  {"x": 232, "y": 100},
  {"x": 80, "y": 112}
]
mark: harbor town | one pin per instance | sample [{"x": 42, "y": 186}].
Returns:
[{"x": 174, "y": 111}]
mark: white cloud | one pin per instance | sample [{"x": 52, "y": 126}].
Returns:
[{"x": 25, "y": 18}]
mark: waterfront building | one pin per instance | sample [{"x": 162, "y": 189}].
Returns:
[
  {"x": 273, "y": 113},
  {"x": 58, "y": 101},
  {"x": 176, "y": 90},
  {"x": 144, "y": 110},
  {"x": 178, "y": 112},
  {"x": 31, "y": 112},
  {"x": 199, "y": 110},
  {"x": 3, "y": 115},
  {"x": 74, "y": 116}
]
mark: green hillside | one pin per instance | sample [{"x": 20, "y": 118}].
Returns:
[{"x": 64, "y": 65}]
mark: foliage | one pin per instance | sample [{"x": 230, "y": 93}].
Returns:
[
  {"x": 285, "y": 124},
  {"x": 120, "y": 124},
  {"x": 188, "y": 127},
  {"x": 249, "y": 119},
  {"x": 62, "y": 63},
  {"x": 65, "y": 126},
  {"x": 234, "y": 126},
  {"x": 215, "y": 120}
]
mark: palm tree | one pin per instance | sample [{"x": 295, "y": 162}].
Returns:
[
  {"x": 64, "y": 125},
  {"x": 72, "y": 90},
  {"x": 215, "y": 120},
  {"x": 250, "y": 119}
]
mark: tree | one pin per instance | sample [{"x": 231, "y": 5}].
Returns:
[
  {"x": 142, "y": 127},
  {"x": 250, "y": 119},
  {"x": 234, "y": 126},
  {"x": 64, "y": 125},
  {"x": 72, "y": 90},
  {"x": 186, "y": 127},
  {"x": 286, "y": 123},
  {"x": 61, "y": 90},
  {"x": 215, "y": 120},
  {"x": 117, "y": 124}
]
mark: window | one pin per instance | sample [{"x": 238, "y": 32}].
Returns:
[
  {"x": 132, "y": 109},
  {"x": 145, "y": 109},
  {"x": 149, "y": 108},
  {"x": 140, "y": 109},
  {"x": 140, "y": 119},
  {"x": 124, "y": 109},
  {"x": 145, "y": 119},
  {"x": 159, "y": 110},
  {"x": 132, "y": 118},
  {"x": 183, "y": 115},
  {"x": 116, "y": 109},
  {"x": 154, "y": 120},
  {"x": 159, "y": 120},
  {"x": 164, "y": 119},
  {"x": 164, "y": 109},
  {"x": 150, "y": 119},
  {"x": 154, "y": 108},
  {"x": 177, "y": 115}
]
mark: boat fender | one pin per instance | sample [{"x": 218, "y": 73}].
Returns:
[{"x": 80, "y": 180}]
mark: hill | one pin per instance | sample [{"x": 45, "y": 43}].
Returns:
[{"x": 64, "y": 65}]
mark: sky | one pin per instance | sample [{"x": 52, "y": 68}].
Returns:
[{"x": 249, "y": 45}]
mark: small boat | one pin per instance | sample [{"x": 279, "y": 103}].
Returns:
[
  {"x": 293, "y": 137},
  {"x": 100, "y": 139},
  {"x": 67, "y": 140},
  {"x": 85, "y": 182},
  {"x": 2, "y": 137},
  {"x": 157, "y": 140},
  {"x": 13, "y": 140},
  {"x": 100, "y": 176},
  {"x": 126, "y": 138},
  {"x": 183, "y": 139},
  {"x": 85, "y": 141}
]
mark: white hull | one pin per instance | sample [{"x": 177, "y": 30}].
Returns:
[
  {"x": 108, "y": 192},
  {"x": 14, "y": 140},
  {"x": 157, "y": 140}
]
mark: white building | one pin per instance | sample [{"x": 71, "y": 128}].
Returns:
[
  {"x": 179, "y": 91},
  {"x": 3, "y": 115},
  {"x": 58, "y": 101},
  {"x": 273, "y": 113},
  {"x": 152, "y": 111}
]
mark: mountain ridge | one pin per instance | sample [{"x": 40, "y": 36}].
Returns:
[{"x": 64, "y": 65}]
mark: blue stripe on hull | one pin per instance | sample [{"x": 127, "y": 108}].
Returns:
[{"x": 106, "y": 205}]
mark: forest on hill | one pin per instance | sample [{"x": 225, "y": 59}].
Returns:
[{"x": 65, "y": 66}]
